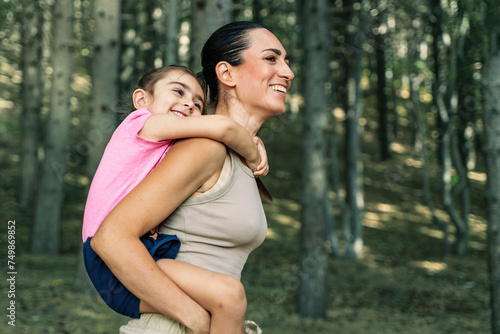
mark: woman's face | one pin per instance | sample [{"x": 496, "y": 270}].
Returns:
[{"x": 263, "y": 79}]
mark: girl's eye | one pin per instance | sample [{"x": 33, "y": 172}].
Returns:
[
  {"x": 197, "y": 105},
  {"x": 179, "y": 91}
]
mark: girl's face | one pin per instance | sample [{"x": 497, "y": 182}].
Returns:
[
  {"x": 178, "y": 94},
  {"x": 264, "y": 77}
]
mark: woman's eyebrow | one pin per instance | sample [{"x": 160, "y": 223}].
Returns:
[{"x": 277, "y": 51}]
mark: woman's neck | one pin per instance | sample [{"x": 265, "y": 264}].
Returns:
[{"x": 237, "y": 113}]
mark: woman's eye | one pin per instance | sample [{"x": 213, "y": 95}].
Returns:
[{"x": 271, "y": 58}]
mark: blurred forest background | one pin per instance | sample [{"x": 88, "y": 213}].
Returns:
[{"x": 384, "y": 170}]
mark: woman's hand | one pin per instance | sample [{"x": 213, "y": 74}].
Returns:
[{"x": 263, "y": 167}]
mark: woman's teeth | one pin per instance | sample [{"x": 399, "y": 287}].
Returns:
[{"x": 279, "y": 88}]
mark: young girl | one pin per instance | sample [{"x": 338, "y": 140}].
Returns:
[{"x": 165, "y": 101}]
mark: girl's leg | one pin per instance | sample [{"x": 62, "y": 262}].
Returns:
[{"x": 222, "y": 295}]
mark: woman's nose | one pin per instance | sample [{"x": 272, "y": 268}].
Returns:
[{"x": 287, "y": 72}]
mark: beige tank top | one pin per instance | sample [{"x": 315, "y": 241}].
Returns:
[{"x": 219, "y": 228}]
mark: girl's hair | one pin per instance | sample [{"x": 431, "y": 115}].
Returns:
[
  {"x": 225, "y": 44},
  {"x": 152, "y": 76}
]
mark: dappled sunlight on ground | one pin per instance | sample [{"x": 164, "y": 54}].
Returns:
[
  {"x": 430, "y": 267},
  {"x": 372, "y": 220},
  {"x": 475, "y": 176},
  {"x": 286, "y": 220},
  {"x": 6, "y": 104},
  {"x": 431, "y": 232},
  {"x": 398, "y": 148}
]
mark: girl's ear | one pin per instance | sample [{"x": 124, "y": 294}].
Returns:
[
  {"x": 139, "y": 97},
  {"x": 224, "y": 72}
]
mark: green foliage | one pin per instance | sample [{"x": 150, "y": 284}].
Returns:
[{"x": 8, "y": 15}]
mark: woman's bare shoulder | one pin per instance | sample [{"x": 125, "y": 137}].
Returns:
[
  {"x": 204, "y": 147},
  {"x": 198, "y": 153}
]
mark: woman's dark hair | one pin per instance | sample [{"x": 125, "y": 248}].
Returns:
[{"x": 226, "y": 44}]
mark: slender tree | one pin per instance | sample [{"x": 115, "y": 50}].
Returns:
[
  {"x": 105, "y": 67},
  {"x": 381, "y": 30},
  {"x": 172, "y": 24},
  {"x": 463, "y": 145},
  {"x": 491, "y": 118},
  {"x": 445, "y": 96},
  {"x": 492, "y": 130},
  {"x": 155, "y": 34},
  {"x": 32, "y": 100},
  {"x": 206, "y": 17},
  {"x": 105, "y": 77},
  {"x": 47, "y": 217},
  {"x": 355, "y": 38},
  {"x": 134, "y": 20},
  {"x": 418, "y": 72},
  {"x": 314, "y": 256}
]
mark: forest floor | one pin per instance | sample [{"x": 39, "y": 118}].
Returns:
[{"x": 402, "y": 285}]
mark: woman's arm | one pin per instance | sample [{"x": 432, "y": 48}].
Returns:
[
  {"x": 188, "y": 164},
  {"x": 160, "y": 127}
]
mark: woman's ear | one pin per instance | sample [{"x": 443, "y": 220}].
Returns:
[
  {"x": 139, "y": 97},
  {"x": 224, "y": 72}
]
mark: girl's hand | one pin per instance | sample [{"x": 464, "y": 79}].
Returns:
[{"x": 263, "y": 167}]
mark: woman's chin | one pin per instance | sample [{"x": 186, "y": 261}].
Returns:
[{"x": 279, "y": 111}]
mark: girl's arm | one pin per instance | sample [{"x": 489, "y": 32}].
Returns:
[
  {"x": 184, "y": 169},
  {"x": 160, "y": 127}
]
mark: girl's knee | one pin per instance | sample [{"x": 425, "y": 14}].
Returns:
[{"x": 232, "y": 297}]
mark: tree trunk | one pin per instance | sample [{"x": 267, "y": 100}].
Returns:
[
  {"x": 462, "y": 143},
  {"x": 47, "y": 218},
  {"x": 32, "y": 101},
  {"x": 207, "y": 16},
  {"x": 105, "y": 67},
  {"x": 105, "y": 94},
  {"x": 437, "y": 37},
  {"x": 314, "y": 255},
  {"x": 491, "y": 149},
  {"x": 384, "y": 129},
  {"x": 256, "y": 8},
  {"x": 491, "y": 117},
  {"x": 415, "y": 82},
  {"x": 355, "y": 37},
  {"x": 155, "y": 35},
  {"x": 132, "y": 64},
  {"x": 172, "y": 47},
  {"x": 336, "y": 185},
  {"x": 445, "y": 97}
]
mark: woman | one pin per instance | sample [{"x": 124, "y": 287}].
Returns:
[{"x": 247, "y": 71}]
